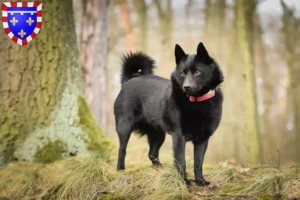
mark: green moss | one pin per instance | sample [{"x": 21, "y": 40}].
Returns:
[
  {"x": 7, "y": 146},
  {"x": 231, "y": 188},
  {"x": 99, "y": 142},
  {"x": 4, "y": 198},
  {"x": 265, "y": 197},
  {"x": 51, "y": 152},
  {"x": 114, "y": 197}
]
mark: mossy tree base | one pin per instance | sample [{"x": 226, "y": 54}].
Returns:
[{"x": 41, "y": 88}]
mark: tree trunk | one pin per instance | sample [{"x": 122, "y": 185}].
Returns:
[
  {"x": 43, "y": 114},
  {"x": 94, "y": 56},
  {"x": 187, "y": 25},
  {"x": 166, "y": 22},
  {"x": 208, "y": 12},
  {"x": 214, "y": 26},
  {"x": 221, "y": 7},
  {"x": 266, "y": 91},
  {"x": 291, "y": 29},
  {"x": 244, "y": 12},
  {"x": 126, "y": 21},
  {"x": 165, "y": 16},
  {"x": 78, "y": 12},
  {"x": 188, "y": 8},
  {"x": 142, "y": 18}
]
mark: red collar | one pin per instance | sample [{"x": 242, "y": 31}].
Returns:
[{"x": 208, "y": 95}]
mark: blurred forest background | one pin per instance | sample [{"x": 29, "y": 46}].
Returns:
[{"x": 256, "y": 43}]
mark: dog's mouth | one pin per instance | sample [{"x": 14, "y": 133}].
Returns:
[{"x": 190, "y": 93}]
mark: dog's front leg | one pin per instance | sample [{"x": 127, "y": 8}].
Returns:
[
  {"x": 179, "y": 154},
  {"x": 199, "y": 152}
]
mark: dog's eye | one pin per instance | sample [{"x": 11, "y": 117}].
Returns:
[
  {"x": 197, "y": 73},
  {"x": 182, "y": 74}
]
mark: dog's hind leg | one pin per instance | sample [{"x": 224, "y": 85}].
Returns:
[
  {"x": 124, "y": 129},
  {"x": 155, "y": 139}
]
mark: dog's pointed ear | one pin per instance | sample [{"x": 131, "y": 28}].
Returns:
[
  {"x": 202, "y": 53},
  {"x": 179, "y": 53}
]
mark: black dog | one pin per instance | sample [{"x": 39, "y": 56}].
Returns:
[{"x": 189, "y": 107}]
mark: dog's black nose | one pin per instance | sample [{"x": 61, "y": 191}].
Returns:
[{"x": 187, "y": 88}]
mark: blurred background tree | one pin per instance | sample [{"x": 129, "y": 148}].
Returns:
[
  {"x": 92, "y": 38},
  {"x": 290, "y": 29},
  {"x": 244, "y": 18}
]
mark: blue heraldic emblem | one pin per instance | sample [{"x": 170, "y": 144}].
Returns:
[{"x": 22, "y": 21}]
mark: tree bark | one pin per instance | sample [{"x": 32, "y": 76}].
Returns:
[
  {"x": 43, "y": 114},
  {"x": 94, "y": 56},
  {"x": 244, "y": 13},
  {"x": 78, "y": 12},
  {"x": 126, "y": 21}
]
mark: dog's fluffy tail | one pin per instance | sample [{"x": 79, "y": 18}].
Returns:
[{"x": 136, "y": 64}]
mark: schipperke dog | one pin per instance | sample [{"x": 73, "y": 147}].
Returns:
[{"x": 189, "y": 106}]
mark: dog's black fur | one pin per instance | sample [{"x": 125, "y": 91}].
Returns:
[{"x": 152, "y": 106}]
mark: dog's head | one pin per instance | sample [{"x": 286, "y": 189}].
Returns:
[{"x": 196, "y": 74}]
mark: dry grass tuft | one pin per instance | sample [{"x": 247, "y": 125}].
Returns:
[
  {"x": 224, "y": 176},
  {"x": 82, "y": 179},
  {"x": 92, "y": 178},
  {"x": 20, "y": 179},
  {"x": 89, "y": 178},
  {"x": 265, "y": 182}
]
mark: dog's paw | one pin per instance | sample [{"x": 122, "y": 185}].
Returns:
[
  {"x": 187, "y": 182},
  {"x": 202, "y": 182},
  {"x": 157, "y": 164},
  {"x": 120, "y": 168}
]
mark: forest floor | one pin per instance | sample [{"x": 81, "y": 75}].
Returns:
[{"x": 91, "y": 178}]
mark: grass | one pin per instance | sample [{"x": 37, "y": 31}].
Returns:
[
  {"x": 92, "y": 178},
  {"x": 88, "y": 178}
]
